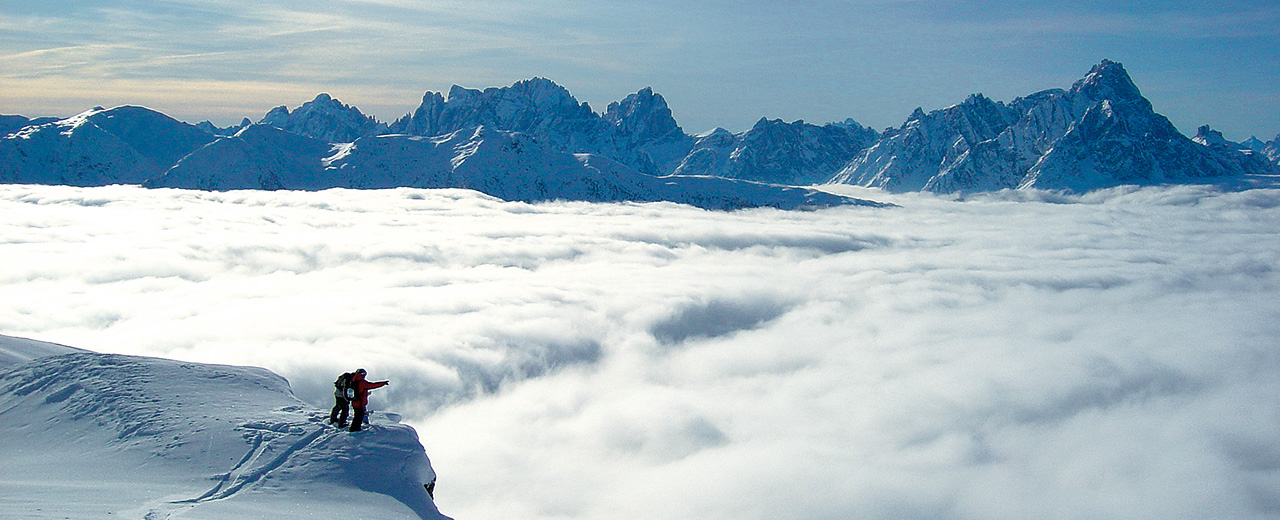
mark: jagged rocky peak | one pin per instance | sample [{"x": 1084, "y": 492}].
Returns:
[
  {"x": 534, "y": 105},
  {"x": 1024, "y": 103},
  {"x": 850, "y": 123},
  {"x": 325, "y": 118},
  {"x": 776, "y": 151},
  {"x": 1100, "y": 133},
  {"x": 531, "y": 95},
  {"x": 977, "y": 118},
  {"x": 1253, "y": 143},
  {"x": 1209, "y": 137},
  {"x": 546, "y": 93},
  {"x": 211, "y": 128},
  {"x": 643, "y": 115},
  {"x": 1272, "y": 150},
  {"x": 842, "y": 132},
  {"x": 715, "y": 138},
  {"x": 1108, "y": 80}
]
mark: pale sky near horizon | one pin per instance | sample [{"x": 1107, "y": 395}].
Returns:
[{"x": 717, "y": 63}]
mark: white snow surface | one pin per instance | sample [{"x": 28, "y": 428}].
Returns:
[
  {"x": 1022, "y": 354},
  {"x": 91, "y": 435}
]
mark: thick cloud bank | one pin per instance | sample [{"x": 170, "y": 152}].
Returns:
[{"x": 1022, "y": 355}]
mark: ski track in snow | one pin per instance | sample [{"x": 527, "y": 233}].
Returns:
[{"x": 248, "y": 471}]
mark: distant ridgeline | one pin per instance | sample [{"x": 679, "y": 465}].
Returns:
[{"x": 533, "y": 141}]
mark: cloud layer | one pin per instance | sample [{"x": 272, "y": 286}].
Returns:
[{"x": 1018, "y": 355}]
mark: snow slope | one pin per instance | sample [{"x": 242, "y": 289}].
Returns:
[
  {"x": 259, "y": 157},
  {"x": 92, "y": 435}
]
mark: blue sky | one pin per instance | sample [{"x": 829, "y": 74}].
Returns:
[{"x": 717, "y": 63}]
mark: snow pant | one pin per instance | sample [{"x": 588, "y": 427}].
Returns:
[
  {"x": 339, "y": 413},
  {"x": 358, "y": 420}
]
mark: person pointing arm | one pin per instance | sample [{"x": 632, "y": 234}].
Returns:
[{"x": 361, "y": 398}]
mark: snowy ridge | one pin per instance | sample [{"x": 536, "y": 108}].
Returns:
[
  {"x": 507, "y": 165},
  {"x": 153, "y": 438},
  {"x": 15, "y": 351},
  {"x": 907, "y": 159}
]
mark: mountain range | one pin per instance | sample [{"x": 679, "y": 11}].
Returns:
[{"x": 533, "y": 141}]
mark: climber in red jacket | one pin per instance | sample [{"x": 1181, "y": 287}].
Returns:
[{"x": 361, "y": 398}]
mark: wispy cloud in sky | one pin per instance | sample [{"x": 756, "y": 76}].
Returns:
[
  {"x": 1018, "y": 355},
  {"x": 724, "y": 64}
]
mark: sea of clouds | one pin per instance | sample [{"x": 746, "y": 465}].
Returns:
[{"x": 1018, "y": 355}]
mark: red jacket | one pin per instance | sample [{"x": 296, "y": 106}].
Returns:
[{"x": 362, "y": 389}]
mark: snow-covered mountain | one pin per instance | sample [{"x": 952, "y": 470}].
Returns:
[
  {"x": 90, "y": 435},
  {"x": 1269, "y": 149},
  {"x": 258, "y": 157},
  {"x": 135, "y": 145},
  {"x": 326, "y": 119},
  {"x": 779, "y": 152},
  {"x": 508, "y": 165},
  {"x": 908, "y": 158},
  {"x": 1100, "y": 133},
  {"x": 1253, "y": 143},
  {"x": 122, "y": 145}
]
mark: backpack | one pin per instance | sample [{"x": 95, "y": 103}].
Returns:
[{"x": 343, "y": 388}]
